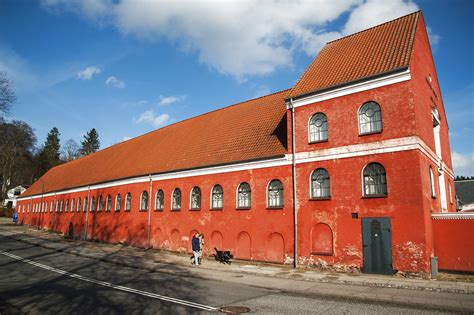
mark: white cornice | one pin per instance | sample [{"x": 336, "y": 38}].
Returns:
[
  {"x": 354, "y": 88},
  {"x": 452, "y": 216}
]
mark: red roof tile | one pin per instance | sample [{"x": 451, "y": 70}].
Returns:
[
  {"x": 251, "y": 130},
  {"x": 377, "y": 50}
]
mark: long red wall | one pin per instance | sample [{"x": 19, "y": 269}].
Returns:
[{"x": 454, "y": 245}]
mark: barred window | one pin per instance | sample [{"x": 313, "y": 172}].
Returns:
[
  {"x": 118, "y": 202},
  {"x": 144, "y": 201},
  {"x": 375, "y": 182},
  {"x": 217, "y": 197},
  {"x": 100, "y": 203},
  {"x": 370, "y": 118},
  {"x": 128, "y": 202},
  {"x": 275, "y": 194},
  {"x": 78, "y": 206},
  {"x": 108, "y": 203},
  {"x": 92, "y": 204},
  {"x": 244, "y": 196},
  {"x": 318, "y": 128},
  {"x": 159, "y": 200},
  {"x": 176, "y": 202},
  {"x": 86, "y": 204},
  {"x": 320, "y": 185},
  {"x": 196, "y": 198}
]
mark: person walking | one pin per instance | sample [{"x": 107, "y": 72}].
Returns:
[
  {"x": 201, "y": 246},
  {"x": 195, "y": 243}
]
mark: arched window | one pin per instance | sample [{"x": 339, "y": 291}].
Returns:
[
  {"x": 432, "y": 184},
  {"x": 100, "y": 203},
  {"x": 370, "y": 118},
  {"x": 72, "y": 205},
  {"x": 450, "y": 192},
  {"x": 320, "y": 186},
  {"x": 159, "y": 200},
  {"x": 217, "y": 197},
  {"x": 56, "y": 206},
  {"x": 66, "y": 209},
  {"x": 275, "y": 194},
  {"x": 118, "y": 202},
  {"x": 86, "y": 204},
  {"x": 108, "y": 203},
  {"x": 51, "y": 206},
  {"x": 375, "y": 182},
  {"x": 60, "y": 206},
  {"x": 318, "y": 128},
  {"x": 176, "y": 202},
  {"x": 93, "y": 203},
  {"x": 196, "y": 198},
  {"x": 144, "y": 201},
  {"x": 244, "y": 196},
  {"x": 78, "y": 206},
  {"x": 128, "y": 202}
]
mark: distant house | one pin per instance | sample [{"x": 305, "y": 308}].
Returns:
[
  {"x": 12, "y": 195},
  {"x": 464, "y": 195}
]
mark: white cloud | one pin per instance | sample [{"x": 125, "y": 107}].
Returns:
[
  {"x": 152, "y": 118},
  {"x": 239, "y": 38},
  {"x": 168, "y": 100},
  {"x": 434, "y": 38},
  {"x": 463, "y": 163},
  {"x": 115, "y": 82},
  {"x": 88, "y": 73},
  {"x": 374, "y": 12},
  {"x": 126, "y": 138}
]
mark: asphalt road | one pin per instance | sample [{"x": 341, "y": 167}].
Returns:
[{"x": 37, "y": 280}]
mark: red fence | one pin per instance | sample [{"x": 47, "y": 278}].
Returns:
[{"x": 454, "y": 241}]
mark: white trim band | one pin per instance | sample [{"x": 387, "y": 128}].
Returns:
[{"x": 452, "y": 216}]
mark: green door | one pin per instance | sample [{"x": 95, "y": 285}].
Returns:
[{"x": 377, "y": 245}]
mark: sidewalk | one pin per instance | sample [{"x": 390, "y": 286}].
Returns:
[{"x": 440, "y": 294}]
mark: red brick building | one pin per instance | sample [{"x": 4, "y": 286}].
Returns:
[{"x": 343, "y": 169}]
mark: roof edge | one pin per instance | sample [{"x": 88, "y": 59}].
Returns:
[{"x": 345, "y": 84}]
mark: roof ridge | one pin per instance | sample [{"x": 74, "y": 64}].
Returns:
[{"x": 375, "y": 26}]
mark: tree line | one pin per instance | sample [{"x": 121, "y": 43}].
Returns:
[{"x": 21, "y": 161}]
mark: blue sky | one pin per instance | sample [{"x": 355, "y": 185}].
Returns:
[{"x": 129, "y": 67}]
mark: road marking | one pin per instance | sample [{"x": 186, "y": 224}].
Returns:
[{"x": 111, "y": 285}]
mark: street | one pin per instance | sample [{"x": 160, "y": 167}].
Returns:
[{"x": 34, "y": 279}]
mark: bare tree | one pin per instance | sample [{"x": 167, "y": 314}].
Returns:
[
  {"x": 7, "y": 94},
  {"x": 70, "y": 151}
]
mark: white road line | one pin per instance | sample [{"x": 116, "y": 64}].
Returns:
[{"x": 111, "y": 285}]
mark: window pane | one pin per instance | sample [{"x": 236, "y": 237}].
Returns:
[
  {"x": 217, "y": 197},
  {"x": 318, "y": 128},
  {"x": 375, "y": 182},
  {"x": 244, "y": 196},
  {"x": 275, "y": 194},
  {"x": 320, "y": 184},
  {"x": 196, "y": 198},
  {"x": 370, "y": 118}
]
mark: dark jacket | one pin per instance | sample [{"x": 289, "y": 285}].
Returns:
[{"x": 195, "y": 243}]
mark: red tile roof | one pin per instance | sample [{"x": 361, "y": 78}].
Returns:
[
  {"x": 377, "y": 50},
  {"x": 252, "y": 130}
]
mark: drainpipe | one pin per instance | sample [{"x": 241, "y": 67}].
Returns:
[
  {"x": 149, "y": 212},
  {"x": 293, "y": 173},
  {"x": 87, "y": 211}
]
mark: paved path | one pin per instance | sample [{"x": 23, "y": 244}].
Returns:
[{"x": 52, "y": 281}]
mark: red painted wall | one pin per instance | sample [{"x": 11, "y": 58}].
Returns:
[{"x": 453, "y": 244}]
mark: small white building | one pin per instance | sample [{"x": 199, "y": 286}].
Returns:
[{"x": 12, "y": 195}]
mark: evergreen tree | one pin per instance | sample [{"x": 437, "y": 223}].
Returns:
[
  {"x": 91, "y": 142},
  {"x": 49, "y": 154}
]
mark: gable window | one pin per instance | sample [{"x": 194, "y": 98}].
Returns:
[
  {"x": 78, "y": 206},
  {"x": 144, "y": 201},
  {"x": 176, "y": 202},
  {"x": 108, "y": 203},
  {"x": 217, "y": 197},
  {"x": 128, "y": 202},
  {"x": 100, "y": 203},
  {"x": 375, "y": 181},
  {"x": 86, "y": 204},
  {"x": 318, "y": 128},
  {"x": 370, "y": 118},
  {"x": 275, "y": 194},
  {"x": 244, "y": 196},
  {"x": 118, "y": 202},
  {"x": 92, "y": 204},
  {"x": 320, "y": 187},
  {"x": 159, "y": 200},
  {"x": 196, "y": 198},
  {"x": 432, "y": 184}
]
